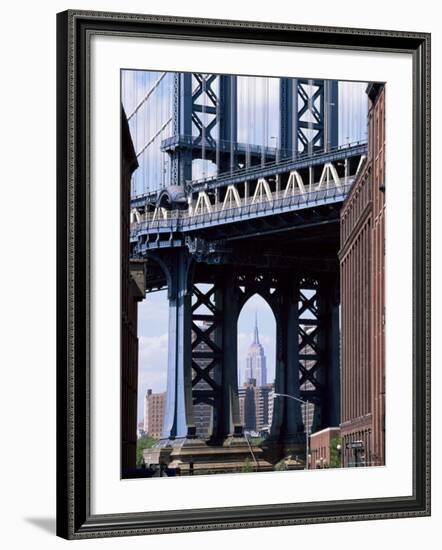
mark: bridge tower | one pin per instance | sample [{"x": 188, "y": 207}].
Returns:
[
  {"x": 308, "y": 115},
  {"x": 204, "y": 123},
  {"x": 254, "y": 228}
]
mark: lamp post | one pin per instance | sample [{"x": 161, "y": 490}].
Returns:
[
  {"x": 339, "y": 449},
  {"x": 251, "y": 451},
  {"x": 307, "y": 427}
]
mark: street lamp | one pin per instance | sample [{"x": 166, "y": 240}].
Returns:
[
  {"x": 251, "y": 451},
  {"x": 307, "y": 427},
  {"x": 339, "y": 449}
]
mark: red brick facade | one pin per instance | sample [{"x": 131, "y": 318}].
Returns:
[
  {"x": 132, "y": 291},
  {"x": 154, "y": 413},
  {"x": 320, "y": 448},
  {"x": 362, "y": 301}
]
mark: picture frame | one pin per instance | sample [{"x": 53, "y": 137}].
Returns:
[{"x": 75, "y": 518}]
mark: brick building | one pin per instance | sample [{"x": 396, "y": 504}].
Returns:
[
  {"x": 362, "y": 299},
  {"x": 154, "y": 404},
  {"x": 132, "y": 291},
  {"x": 320, "y": 448}
]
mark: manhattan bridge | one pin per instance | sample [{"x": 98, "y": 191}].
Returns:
[{"x": 236, "y": 190}]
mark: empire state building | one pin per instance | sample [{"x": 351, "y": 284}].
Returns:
[{"x": 256, "y": 368}]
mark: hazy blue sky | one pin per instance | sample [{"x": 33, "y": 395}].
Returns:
[{"x": 153, "y": 328}]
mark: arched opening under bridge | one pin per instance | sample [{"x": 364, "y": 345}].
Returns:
[{"x": 256, "y": 331}]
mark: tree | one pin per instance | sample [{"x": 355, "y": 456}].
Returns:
[
  {"x": 144, "y": 442},
  {"x": 281, "y": 465},
  {"x": 247, "y": 466},
  {"x": 335, "y": 453}
]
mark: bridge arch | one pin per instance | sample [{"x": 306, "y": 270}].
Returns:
[
  {"x": 165, "y": 269},
  {"x": 256, "y": 360},
  {"x": 268, "y": 294},
  {"x": 172, "y": 198}
]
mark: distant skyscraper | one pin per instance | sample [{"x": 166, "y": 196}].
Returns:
[
  {"x": 256, "y": 368},
  {"x": 153, "y": 413},
  {"x": 256, "y": 406}
]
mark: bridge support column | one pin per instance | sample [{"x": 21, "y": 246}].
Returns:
[
  {"x": 329, "y": 313},
  {"x": 229, "y": 421},
  {"x": 228, "y": 120},
  {"x": 288, "y": 117},
  {"x": 178, "y": 415},
  {"x": 319, "y": 98},
  {"x": 287, "y": 426},
  {"x": 181, "y": 170},
  {"x": 331, "y": 114}
]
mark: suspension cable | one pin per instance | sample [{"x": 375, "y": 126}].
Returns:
[
  {"x": 218, "y": 123},
  {"x": 231, "y": 123},
  {"x": 153, "y": 138},
  {"x": 204, "y": 121},
  {"x": 146, "y": 97},
  {"x": 310, "y": 117}
]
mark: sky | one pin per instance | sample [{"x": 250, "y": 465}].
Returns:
[{"x": 153, "y": 339}]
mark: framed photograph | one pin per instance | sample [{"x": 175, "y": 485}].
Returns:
[{"x": 243, "y": 274}]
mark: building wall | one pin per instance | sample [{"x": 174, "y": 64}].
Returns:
[
  {"x": 248, "y": 406},
  {"x": 362, "y": 302},
  {"x": 377, "y": 152},
  {"x": 130, "y": 295},
  {"x": 154, "y": 404},
  {"x": 263, "y": 395},
  {"x": 255, "y": 405},
  {"x": 320, "y": 443},
  {"x": 355, "y": 258}
]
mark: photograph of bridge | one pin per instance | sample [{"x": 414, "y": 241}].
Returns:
[{"x": 252, "y": 273}]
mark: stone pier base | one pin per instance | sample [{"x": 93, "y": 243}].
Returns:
[{"x": 196, "y": 457}]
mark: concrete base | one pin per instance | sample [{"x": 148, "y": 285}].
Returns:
[
  {"x": 291, "y": 450},
  {"x": 196, "y": 457}
]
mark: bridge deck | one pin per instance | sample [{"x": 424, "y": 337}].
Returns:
[
  {"x": 269, "y": 169},
  {"x": 281, "y": 167},
  {"x": 184, "y": 223}
]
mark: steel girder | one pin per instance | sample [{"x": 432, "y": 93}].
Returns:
[
  {"x": 197, "y": 111},
  {"x": 202, "y": 367},
  {"x": 325, "y": 215},
  {"x": 308, "y": 115}
]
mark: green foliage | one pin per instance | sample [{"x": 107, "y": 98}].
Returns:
[
  {"x": 335, "y": 453},
  {"x": 144, "y": 442},
  {"x": 256, "y": 441},
  {"x": 281, "y": 465},
  {"x": 247, "y": 466}
]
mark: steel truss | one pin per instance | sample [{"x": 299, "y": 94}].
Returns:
[{"x": 307, "y": 347}]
